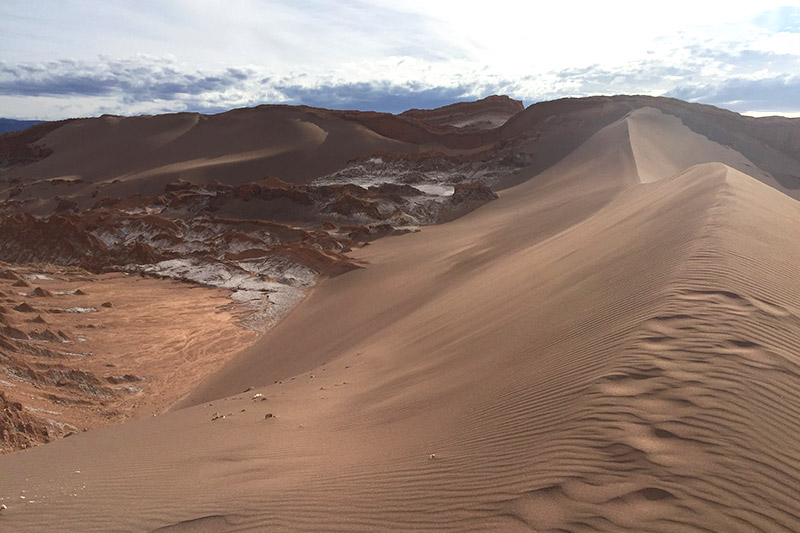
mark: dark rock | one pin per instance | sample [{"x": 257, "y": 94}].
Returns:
[{"x": 41, "y": 293}]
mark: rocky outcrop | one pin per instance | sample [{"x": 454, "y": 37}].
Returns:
[
  {"x": 472, "y": 193},
  {"x": 19, "y": 429},
  {"x": 59, "y": 239}
]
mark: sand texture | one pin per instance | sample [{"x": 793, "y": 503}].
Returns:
[{"x": 613, "y": 345}]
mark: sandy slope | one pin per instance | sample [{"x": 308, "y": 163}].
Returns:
[
  {"x": 123, "y": 156},
  {"x": 490, "y": 112},
  {"x": 587, "y": 352},
  {"x": 556, "y": 128},
  {"x": 119, "y": 156},
  {"x": 86, "y": 160}
]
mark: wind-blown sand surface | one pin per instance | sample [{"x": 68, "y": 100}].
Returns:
[{"x": 614, "y": 345}]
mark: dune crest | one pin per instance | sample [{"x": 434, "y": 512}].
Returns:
[{"x": 663, "y": 146}]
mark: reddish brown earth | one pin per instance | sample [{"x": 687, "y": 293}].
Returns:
[
  {"x": 81, "y": 351},
  {"x": 18, "y": 428}
]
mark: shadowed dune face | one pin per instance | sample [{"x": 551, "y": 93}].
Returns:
[
  {"x": 554, "y": 129},
  {"x": 663, "y": 146},
  {"x": 610, "y": 346}
]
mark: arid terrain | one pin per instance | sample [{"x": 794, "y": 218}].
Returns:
[
  {"x": 80, "y": 351},
  {"x": 583, "y": 315}
]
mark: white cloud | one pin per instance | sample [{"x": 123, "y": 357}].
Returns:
[
  {"x": 82, "y": 57},
  {"x": 771, "y": 114}
]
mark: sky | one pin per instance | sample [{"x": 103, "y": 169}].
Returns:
[{"x": 76, "y": 58}]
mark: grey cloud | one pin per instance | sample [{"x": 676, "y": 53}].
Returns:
[
  {"x": 716, "y": 75},
  {"x": 642, "y": 74},
  {"x": 375, "y": 96},
  {"x": 144, "y": 80},
  {"x": 777, "y": 94},
  {"x": 745, "y": 60},
  {"x": 134, "y": 80}
]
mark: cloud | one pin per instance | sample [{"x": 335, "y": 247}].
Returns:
[
  {"x": 726, "y": 73},
  {"x": 375, "y": 96},
  {"x": 137, "y": 79},
  {"x": 162, "y": 84},
  {"x": 770, "y": 94},
  {"x": 190, "y": 55}
]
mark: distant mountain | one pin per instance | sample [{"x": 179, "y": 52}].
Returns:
[
  {"x": 9, "y": 124},
  {"x": 298, "y": 144}
]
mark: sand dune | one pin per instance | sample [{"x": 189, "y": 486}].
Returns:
[
  {"x": 123, "y": 156},
  {"x": 611, "y": 346},
  {"x": 120, "y": 156},
  {"x": 556, "y": 128},
  {"x": 491, "y": 112},
  {"x": 663, "y": 146},
  {"x": 114, "y": 157}
]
